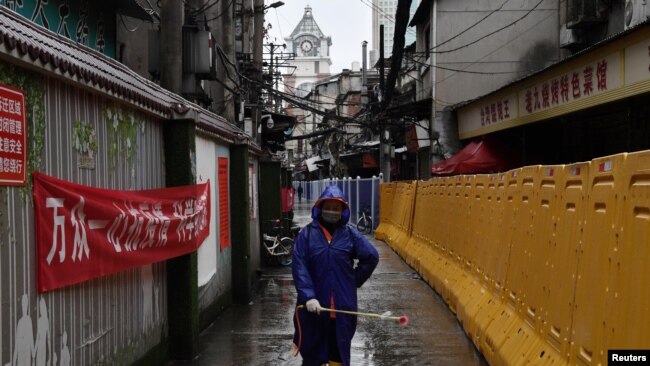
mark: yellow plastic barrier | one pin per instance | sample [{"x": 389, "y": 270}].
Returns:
[
  {"x": 451, "y": 270},
  {"x": 406, "y": 225},
  {"x": 420, "y": 220},
  {"x": 434, "y": 259},
  {"x": 386, "y": 196},
  {"x": 627, "y": 314},
  {"x": 480, "y": 224},
  {"x": 476, "y": 313},
  {"x": 539, "y": 187},
  {"x": 594, "y": 288},
  {"x": 399, "y": 232},
  {"x": 424, "y": 230},
  {"x": 521, "y": 242},
  {"x": 543, "y": 265},
  {"x": 471, "y": 288},
  {"x": 558, "y": 299},
  {"x": 505, "y": 320},
  {"x": 395, "y": 215}
]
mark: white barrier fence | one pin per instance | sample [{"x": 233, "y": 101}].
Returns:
[{"x": 362, "y": 193}]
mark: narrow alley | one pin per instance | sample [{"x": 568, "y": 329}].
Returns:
[{"x": 261, "y": 333}]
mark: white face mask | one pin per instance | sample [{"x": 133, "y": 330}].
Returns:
[{"x": 331, "y": 217}]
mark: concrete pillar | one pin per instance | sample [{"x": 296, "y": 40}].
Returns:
[
  {"x": 243, "y": 273},
  {"x": 269, "y": 192},
  {"x": 182, "y": 272}
]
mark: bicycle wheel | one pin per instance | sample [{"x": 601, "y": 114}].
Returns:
[
  {"x": 369, "y": 226},
  {"x": 362, "y": 224},
  {"x": 286, "y": 246}
]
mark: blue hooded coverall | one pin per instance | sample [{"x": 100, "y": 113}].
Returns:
[{"x": 325, "y": 271}]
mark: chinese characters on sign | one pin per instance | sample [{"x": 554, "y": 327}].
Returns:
[
  {"x": 589, "y": 80},
  {"x": 224, "y": 211},
  {"x": 558, "y": 94},
  {"x": 13, "y": 137},
  {"x": 85, "y": 232},
  {"x": 492, "y": 112},
  {"x": 495, "y": 112}
]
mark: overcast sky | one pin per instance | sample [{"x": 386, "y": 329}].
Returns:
[{"x": 348, "y": 22}]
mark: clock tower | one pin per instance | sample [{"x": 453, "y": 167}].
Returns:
[
  {"x": 312, "y": 63},
  {"x": 312, "y": 50}
]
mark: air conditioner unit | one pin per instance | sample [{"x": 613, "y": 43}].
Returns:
[
  {"x": 636, "y": 12},
  {"x": 570, "y": 37},
  {"x": 586, "y": 13}
]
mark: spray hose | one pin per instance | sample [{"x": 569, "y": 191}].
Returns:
[
  {"x": 403, "y": 321},
  {"x": 295, "y": 349}
]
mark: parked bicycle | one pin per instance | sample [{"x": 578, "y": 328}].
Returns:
[
  {"x": 364, "y": 223},
  {"x": 279, "y": 248}
]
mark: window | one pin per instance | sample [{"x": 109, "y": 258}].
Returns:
[{"x": 317, "y": 67}]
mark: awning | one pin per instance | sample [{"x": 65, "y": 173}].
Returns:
[
  {"x": 481, "y": 156},
  {"x": 311, "y": 163}
]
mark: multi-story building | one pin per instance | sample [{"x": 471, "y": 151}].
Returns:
[
  {"x": 311, "y": 63},
  {"x": 383, "y": 13},
  {"x": 341, "y": 96},
  {"x": 80, "y": 114},
  {"x": 465, "y": 49},
  {"x": 312, "y": 49},
  {"x": 592, "y": 103}
]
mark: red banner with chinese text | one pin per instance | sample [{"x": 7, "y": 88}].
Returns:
[
  {"x": 84, "y": 232},
  {"x": 287, "y": 199},
  {"x": 224, "y": 208},
  {"x": 13, "y": 137}
]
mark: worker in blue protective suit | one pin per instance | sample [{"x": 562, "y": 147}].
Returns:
[{"x": 325, "y": 276}]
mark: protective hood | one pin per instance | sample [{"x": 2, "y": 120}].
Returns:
[{"x": 332, "y": 192}]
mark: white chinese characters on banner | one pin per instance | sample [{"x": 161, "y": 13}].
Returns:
[
  {"x": 10, "y": 106},
  {"x": 133, "y": 228},
  {"x": 58, "y": 229},
  {"x": 193, "y": 217},
  {"x": 85, "y": 232},
  {"x": 126, "y": 229}
]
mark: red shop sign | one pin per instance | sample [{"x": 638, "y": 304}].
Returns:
[
  {"x": 84, "y": 232},
  {"x": 13, "y": 137}
]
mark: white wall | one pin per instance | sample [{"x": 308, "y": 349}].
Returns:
[
  {"x": 214, "y": 265},
  {"x": 206, "y": 169}
]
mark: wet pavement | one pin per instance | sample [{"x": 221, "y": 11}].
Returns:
[{"x": 261, "y": 332}]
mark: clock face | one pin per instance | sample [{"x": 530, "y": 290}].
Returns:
[{"x": 306, "y": 46}]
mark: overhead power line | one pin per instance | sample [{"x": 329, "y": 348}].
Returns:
[
  {"x": 205, "y": 7},
  {"x": 432, "y": 50},
  {"x": 460, "y": 70},
  {"x": 222, "y": 13},
  {"x": 519, "y": 35},
  {"x": 471, "y": 26}
]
